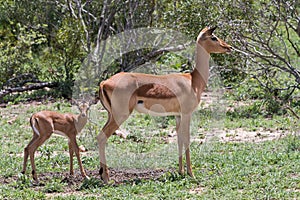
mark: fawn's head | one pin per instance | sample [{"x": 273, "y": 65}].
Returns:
[{"x": 83, "y": 106}]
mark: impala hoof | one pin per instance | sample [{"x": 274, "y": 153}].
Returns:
[
  {"x": 191, "y": 174},
  {"x": 35, "y": 183},
  {"x": 104, "y": 175}
]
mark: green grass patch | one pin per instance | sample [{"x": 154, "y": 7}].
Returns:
[{"x": 265, "y": 170}]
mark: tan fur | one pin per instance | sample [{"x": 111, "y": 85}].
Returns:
[
  {"x": 44, "y": 123},
  {"x": 173, "y": 94}
]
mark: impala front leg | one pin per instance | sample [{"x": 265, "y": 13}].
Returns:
[
  {"x": 187, "y": 142},
  {"x": 183, "y": 137},
  {"x": 188, "y": 162},
  {"x": 75, "y": 149}
]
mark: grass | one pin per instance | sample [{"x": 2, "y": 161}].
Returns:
[{"x": 264, "y": 170}]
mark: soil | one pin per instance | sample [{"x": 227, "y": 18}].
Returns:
[{"x": 73, "y": 183}]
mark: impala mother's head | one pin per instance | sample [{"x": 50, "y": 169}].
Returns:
[{"x": 211, "y": 43}]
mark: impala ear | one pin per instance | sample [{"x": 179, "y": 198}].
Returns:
[
  {"x": 73, "y": 102},
  {"x": 211, "y": 30},
  {"x": 94, "y": 101},
  {"x": 206, "y": 32}
]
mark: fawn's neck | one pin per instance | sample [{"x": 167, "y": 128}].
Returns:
[{"x": 79, "y": 122}]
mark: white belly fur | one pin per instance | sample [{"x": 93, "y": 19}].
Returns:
[
  {"x": 156, "y": 110},
  {"x": 59, "y": 133}
]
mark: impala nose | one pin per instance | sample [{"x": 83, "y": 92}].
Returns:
[{"x": 229, "y": 48}]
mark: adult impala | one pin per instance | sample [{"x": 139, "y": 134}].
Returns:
[
  {"x": 44, "y": 123},
  {"x": 173, "y": 94}
]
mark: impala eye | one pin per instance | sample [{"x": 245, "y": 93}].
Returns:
[{"x": 214, "y": 38}]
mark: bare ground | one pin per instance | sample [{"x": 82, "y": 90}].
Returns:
[{"x": 75, "y": 182}]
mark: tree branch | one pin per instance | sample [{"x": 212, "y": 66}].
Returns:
[
  {"x": 35, "y": 86},
  {"x": 152, "y": 55}
]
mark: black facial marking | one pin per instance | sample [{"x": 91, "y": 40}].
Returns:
[
  {"x": 214, "y": 38},
  {"x": 140, "y": 102}
]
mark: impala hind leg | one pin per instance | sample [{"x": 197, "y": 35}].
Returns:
[
  {"x": 118, "y": 111},
  {"x": 180, "y": 145},
  {"x": 32, "y": 149},
  {"x": 110, "y": 127},
  {"x": 26, "y": 153}
]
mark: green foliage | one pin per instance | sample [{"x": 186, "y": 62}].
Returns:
[
  {"x": 274, "y": 73},
  {"x": 51, "y": 39},
  {"x": 17, "y": 51},
  {"x": 45, "y": 44}
]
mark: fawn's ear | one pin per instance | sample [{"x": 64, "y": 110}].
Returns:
[
  {"x": 73, "y": 102},
  {"x": 94, "y": 101}
]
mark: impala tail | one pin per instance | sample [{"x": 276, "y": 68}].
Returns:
[
  {"x": 34, "y": 124},
  {"x": 104, "y": 98}
]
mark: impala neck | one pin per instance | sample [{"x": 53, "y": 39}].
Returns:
[
  {"x": 201, "y": 72},
  {"x": 79, "y": 122}
]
